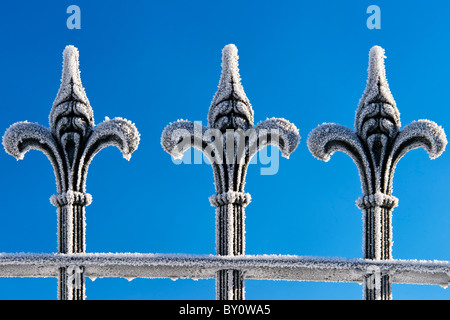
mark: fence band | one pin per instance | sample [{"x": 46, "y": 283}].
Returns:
[
  {"x": 230, "y": 197},
  {"x": 71, "y": 198},
  {"x": 377, "y": 200}
]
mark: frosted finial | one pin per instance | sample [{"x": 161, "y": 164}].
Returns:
[
  {"x": 71, "y": 87},
  {"x": 377, "y": 111},
  {"x": 230, "y": 108},
  {"x": 71, "y": 90},
  {"x": 72, "y": 140},
  {"x": 377, "y": 89},
  {"x": 377, "y": 143}
]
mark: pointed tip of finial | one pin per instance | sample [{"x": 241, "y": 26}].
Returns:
[
  {"x": 230, "y": 50},
  {"x": 71, "y": 50},
  {"x": 377, "y": 50},
  {"x": 377, "y": 89},
  {"x": 71, "y": 87},
  {"x": 230, "y": 89},
  {"x": 230, "y": 78}
]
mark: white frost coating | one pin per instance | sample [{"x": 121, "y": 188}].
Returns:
[
  {"x": 181, "y": 135},
  {"x": 21, "y": 137},
  {"x": 230, "y": 234},
  {"x": 276, "y": 267},
  {"x": 377, "y": 200},
  {"x": 421, "y": 134},
  {"x": 328, "y": 138},
  {"x": 119, "y": 132},
  {"x": 275, "y": 131},
  {"x": 230, "y": 105},
  {"x": 71, "y": 197},
  {"x": 230, "y": 197},
  {"x": 17, "y": 137},
  {"x": 320, "y": 141},
  {"x": 378, "y": 236}
]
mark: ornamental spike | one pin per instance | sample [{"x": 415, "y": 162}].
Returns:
[
  {"x": 230, "y": 107},
  {"x": 71, "y": 86},
  {"x": 71, "y": 89},
  {"x": 377, "y": 89},
  {"x": 377, "y": 111}
]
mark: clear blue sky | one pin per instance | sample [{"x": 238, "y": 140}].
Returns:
[{"x": 154, "y": 62}]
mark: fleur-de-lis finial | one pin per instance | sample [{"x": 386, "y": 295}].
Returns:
[
  {"x": 73, "y": 139},
  {"x": 229, "y": 142},
  {"x": 230, "y": 108},
  {"x": 376, "y": 146},
  {"x": 70, "y": 144},
  {"x": 71, "y": 102}
]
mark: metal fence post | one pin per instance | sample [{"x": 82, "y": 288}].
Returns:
[
  {"x": 376, "y": 147},
  {"x": 70, "y": 144},
  {"x": 229, "y": 142}
]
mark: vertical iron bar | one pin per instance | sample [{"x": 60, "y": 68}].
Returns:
[
  {"x": 230, "y": 241},
  {"x": 71, "y": 240},
  {"x": 377, "y": 213}
]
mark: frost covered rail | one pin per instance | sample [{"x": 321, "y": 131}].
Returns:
[{"x": 261, "y": 267}]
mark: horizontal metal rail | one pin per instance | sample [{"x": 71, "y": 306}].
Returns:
[{"x": 262, "y": 267}]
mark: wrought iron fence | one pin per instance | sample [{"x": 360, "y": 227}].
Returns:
[{"x": 229, "y": 142}]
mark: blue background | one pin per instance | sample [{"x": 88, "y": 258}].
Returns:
[{"x": 154, "y": 62}]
